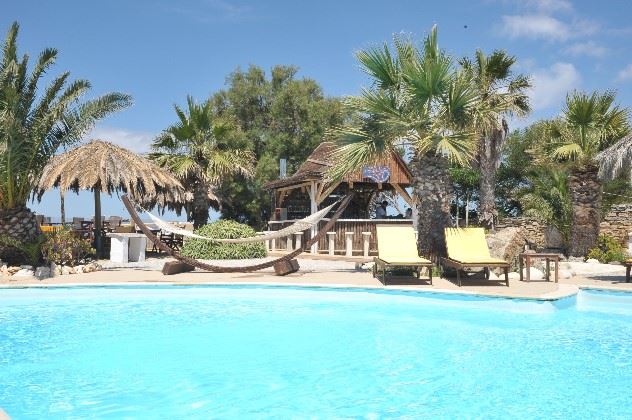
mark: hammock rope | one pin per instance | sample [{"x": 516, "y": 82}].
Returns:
[{"x": 298, "y": 226}]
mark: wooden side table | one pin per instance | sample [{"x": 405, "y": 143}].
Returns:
[{"x": 525, "y": 260}]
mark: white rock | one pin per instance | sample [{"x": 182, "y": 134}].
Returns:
[
  {"x": 42, "y": 272},
  {"x": 534, "y": 274},
  {"x": 26, "y": 267},
  {"x": 493, "y": 276},
  {"x": 565, "y": 274},
  {"x": 79, "y": 269},
  {"x": 514, "y": 276},
  {"x": 24, "y": 273},
  {"x": 592, "y": 261},
  {"x": 67, "y": 270},
  {"x": 58, "y": 270}
]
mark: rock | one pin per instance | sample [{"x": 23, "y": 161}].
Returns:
[
  {"x": 592, "y": 261},
  {"x": 79, "y": 269},
  {"x": 514, "y": 276},
  {"x": 493, "y": 276},
  {"x": 24, "y": 273},
  {"x": 575, "y": 259},
  {"x": 535, "y": 274},
  {"x": 615, "y": 263},
  {"x": 58, "y": 270},
  {"x": 12, "y": 270},
  {"x": 42, "y": 272},
  {"x": 67, "y": 270},
  {"x": 26, "y": 267},
  {"x": 53, "y": 269},
  {"x": 564, "y": 274},
  {"x": 507, "y": 244}
]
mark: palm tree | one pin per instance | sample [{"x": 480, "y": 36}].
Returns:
[
  {"x": 502, "y": 94},
  {"x": 198, "y": 149},
  {"x": 588, "y": 125},
  {"x": 34, "y": 124},
  {"x": 420, "y": 100}
]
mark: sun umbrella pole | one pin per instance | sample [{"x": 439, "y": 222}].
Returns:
[{"x": 98, "y": 241}]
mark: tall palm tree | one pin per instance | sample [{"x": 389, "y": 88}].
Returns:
[
  {"x": 502, "y": 94},
  {"x": 588, "y": 125},
  {"x": 198, "y": 149},
  {"x": 34, "y": 124},
  {"x": 418, "y": 99}
]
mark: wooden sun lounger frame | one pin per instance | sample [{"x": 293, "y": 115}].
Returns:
[
  {"x": 628, "y": 268},
  {"x": 279, "y": 262},
  {"x": 462, "y": 266},
  {"x": 380, "y": 265}
]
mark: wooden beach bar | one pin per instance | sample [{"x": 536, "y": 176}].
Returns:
[{"x": 307, "y": 191}]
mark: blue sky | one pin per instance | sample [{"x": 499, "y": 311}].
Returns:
[{"x": 160, "y": 51}]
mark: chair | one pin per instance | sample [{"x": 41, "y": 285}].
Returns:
[
  {"x": 124, "y": 229},
  {"x": 397, "y": 247},
  {"x": 467, "y": 248},
  {"x": 115, "y": 221},
  {"x": 628, "y": 268},
  {"x": 76, "y": 223}
]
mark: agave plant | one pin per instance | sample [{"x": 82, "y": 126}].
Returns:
[
  {"x": 34, "y": 124},
  {"x": 199, "y": 151},
  {"x": 417, "y": 99},
  {"x": 588, "y": 125}
]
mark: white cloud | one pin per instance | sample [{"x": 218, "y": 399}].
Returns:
[
  {"x": 590, "y": 49},
  {"x": 535, "y": 27},
  {"x": 551, "y": 85},
  {"x": 136, "y": 141},
  {"x": 625, "y": 74},
  {"x": 548, "y": 6}
]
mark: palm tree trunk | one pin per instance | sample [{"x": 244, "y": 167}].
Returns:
[
  {"x": 586, "y": 194},
  {"x": 201, "y": 204},
  {"x": 433, "y": 190},
  {"x": 489, "y": 156},
  {"x": 98, "y": 240},
  {"x": 19, "y": 224}
]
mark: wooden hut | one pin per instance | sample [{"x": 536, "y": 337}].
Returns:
[{"x": 306, "y": 191}]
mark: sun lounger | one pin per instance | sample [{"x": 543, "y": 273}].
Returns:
[
  {"x": 397, "y": 247},
  {"x": 467, "y": 248},
  {"x": 628, "y": 267}
]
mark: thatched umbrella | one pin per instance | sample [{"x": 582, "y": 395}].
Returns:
[
  {"x": 101, "y": 166},
  {"x": 616, "y": 160}
]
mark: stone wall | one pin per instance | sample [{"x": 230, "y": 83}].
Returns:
[
  {"x": 531, "y": 229},
  {"x": 618, "y": 223}
]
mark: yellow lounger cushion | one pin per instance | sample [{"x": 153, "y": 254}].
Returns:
[
  {"x": 469, "y": 246},
  {"x": 396, "y": 244}
]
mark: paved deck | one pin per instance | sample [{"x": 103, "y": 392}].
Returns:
[{"x": 337, "y": 276}]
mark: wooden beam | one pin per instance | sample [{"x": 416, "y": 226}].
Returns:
[
  {"x": 293, "y": 187},
  {"x": 324, "y": 194},
  {"x": 404, "y": 194}
]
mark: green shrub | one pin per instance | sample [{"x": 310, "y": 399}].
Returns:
[
  {"x": 607, "y": 250},
  {"x": 15, "y": 252},
  {"x": 65, "y": 248},
  {"x": 223, "y": 229}
]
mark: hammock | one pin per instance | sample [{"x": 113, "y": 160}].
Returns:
[{"x": 298, "y": 226}]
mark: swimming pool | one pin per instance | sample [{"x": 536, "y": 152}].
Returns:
[{"x": 200, "y": 352}]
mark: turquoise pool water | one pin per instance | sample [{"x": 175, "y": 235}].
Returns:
[{"x": 230, "y": 352}]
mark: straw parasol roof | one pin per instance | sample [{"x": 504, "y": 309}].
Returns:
[
  {"x": 101, "y": 166},
  {"x": 617, "y": 159}
]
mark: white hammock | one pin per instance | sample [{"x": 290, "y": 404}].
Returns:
[{"x": 298, "y": 226}]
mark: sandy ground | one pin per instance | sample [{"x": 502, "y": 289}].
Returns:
[{"x": 341, "y": 274}]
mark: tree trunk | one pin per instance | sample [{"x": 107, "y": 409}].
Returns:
[
  {"x": 586, "y": 193},
  {"x": 433, "y": 191},
  {"x": 98, "y": 239},
  {"x": 488, "y": 160},
  {"x": 18, "y": 224},
  {"x": 200, "y": 205}
]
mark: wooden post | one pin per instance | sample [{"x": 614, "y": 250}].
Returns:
[
  {"x": 349, "y": 244},
  {"x": 297, "y": 239},
  {"x": 366, "y": 236},
  {"x": 313, "y": 209},
  {"x": 98, "y": 241},
  {"x": 288, "y": 244},
  {"x": 331, "y": 236},
  {"x": 272, "y": 244}
]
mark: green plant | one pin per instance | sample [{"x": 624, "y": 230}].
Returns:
[
  {"x": 18, "y": 252},
  {"x": 63, "y": 248},
  {"x": 607, "y": 250},
  {"x": 223, "y": 229}
]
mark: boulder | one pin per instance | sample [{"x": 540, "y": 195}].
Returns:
[
  {"x": 565, "y": 274},
  {"x": 534, "y": 274},
  {"x": 79, "y": 269},
  {"x": 592, "y": 261},
  {"x": 67, "y": 270},
  {"x": 514, "y": 276},
  {"x": 26, "y": 267},
  {"x": 507, "y": 244},
  {"x": 42, "y": 272},
  {"x": 13, "y": 269},
  {"x": 24, "y": 273}
]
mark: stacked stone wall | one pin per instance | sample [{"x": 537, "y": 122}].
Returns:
[{"x": 618, "y": 223}]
